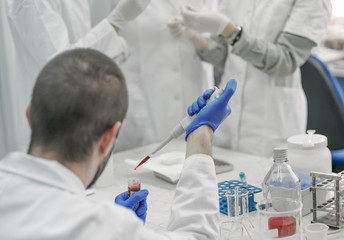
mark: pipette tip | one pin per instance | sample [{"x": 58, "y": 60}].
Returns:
[{"x": 143, "y": 161}]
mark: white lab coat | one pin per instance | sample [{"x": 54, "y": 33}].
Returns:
[
  {"x": 266, "y": 110},
  {"x": 42, "y": 199},
  {"x": 43, "y": 28},
  {"x": 164, "y": 75}
]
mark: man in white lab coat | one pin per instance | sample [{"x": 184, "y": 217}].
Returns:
[
  {"x": 43, "y": 28},
  {"x": 78, "y": 103}
]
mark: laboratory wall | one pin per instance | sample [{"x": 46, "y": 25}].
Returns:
[{"x": 8, "y": 135}]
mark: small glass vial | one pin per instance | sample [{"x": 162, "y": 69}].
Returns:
[
  {"x": 134, "y": 185},
  {"x": 243, "y": 178}
]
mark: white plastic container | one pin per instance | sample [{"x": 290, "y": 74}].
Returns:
[
  {"x": 306, "y": 153},
  {"x": 309, "y": 152},
  {"x": 316, "y": 231}
]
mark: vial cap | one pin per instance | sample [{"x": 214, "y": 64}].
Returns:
[{"x": 242, "y": 175}]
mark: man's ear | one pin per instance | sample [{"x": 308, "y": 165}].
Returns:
[
  {"x": 108, "y": 139},
  {"x": 28, "y": 114}
]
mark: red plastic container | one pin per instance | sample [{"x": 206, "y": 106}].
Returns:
[{"x": 286, "y": 225}]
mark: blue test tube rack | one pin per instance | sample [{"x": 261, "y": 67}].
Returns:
[{"x": 223, "y": 187}]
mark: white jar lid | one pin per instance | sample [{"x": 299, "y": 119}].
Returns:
[{"x": 307, "y": 141}]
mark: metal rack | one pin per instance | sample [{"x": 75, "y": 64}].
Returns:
[{"x": 333, "y": 207}]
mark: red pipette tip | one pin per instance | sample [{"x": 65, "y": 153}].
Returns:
[{"x": 143, "y": 161}]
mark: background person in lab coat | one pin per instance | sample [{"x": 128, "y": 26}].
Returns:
[
  {"x": 43, "y": 28},
  {"x": 163, "y": 73},
  {"x": 267, "y": 43},
  {"x": 78, "y": 103}
]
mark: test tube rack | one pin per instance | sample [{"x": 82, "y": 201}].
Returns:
[
  {"x": 330, "y": 211},
  {"x": 223, "y": 187}
]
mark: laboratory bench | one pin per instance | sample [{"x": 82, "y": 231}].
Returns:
[{"x": 114, "y": 180}]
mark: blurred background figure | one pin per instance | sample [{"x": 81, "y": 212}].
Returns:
[
  {"x": 40, "y": 29},
  {"x": 159, "y": 46},
  {"x": 267, "y": 43},
  {"x": 163, "y": 72}
]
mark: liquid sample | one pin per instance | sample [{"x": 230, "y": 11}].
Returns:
[
  {"x": 286, "y": 225},
  {"x": 134, "y": 185},
  {"x": 143, "y": 161}
]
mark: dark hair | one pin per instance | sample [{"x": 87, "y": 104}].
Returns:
[{"x": 78, "y": 95}]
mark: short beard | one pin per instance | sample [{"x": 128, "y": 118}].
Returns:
[{"x": 100, "y": 169}]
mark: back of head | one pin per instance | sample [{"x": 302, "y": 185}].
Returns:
[{"x": 78, "y": 95}]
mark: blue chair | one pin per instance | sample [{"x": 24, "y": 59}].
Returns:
[{"x": 325, "y": 99}]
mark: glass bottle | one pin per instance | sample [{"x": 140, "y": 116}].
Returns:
[{"x": 281, "y": 181}]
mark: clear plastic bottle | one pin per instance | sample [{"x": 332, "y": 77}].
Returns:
[{"x": 281, "y": 181}]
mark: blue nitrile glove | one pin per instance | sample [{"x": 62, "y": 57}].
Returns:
[
  {"x": 213, "y": 113},
  {"x": 139, "y": 197}
]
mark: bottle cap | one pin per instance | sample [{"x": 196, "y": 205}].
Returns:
[
  {"x": 280, "y": 154},
  {"x": 307, "y": 141}
]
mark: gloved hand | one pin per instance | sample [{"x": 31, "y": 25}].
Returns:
[
  {"x": 139, "y": 197},
  {"x": 213, "y": 113},
  {"x": 204, "y": 20},
  {"x": 127, "y": 10},
  {"x": 178, "y": 29}
]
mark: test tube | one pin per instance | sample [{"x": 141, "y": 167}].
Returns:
[
  {"x": 237, "y": 202},
  {"x": 134, "y": 185},
  {"x": 243, "y": 178}
]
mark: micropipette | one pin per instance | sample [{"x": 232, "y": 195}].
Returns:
[{"x": 180, "y": 128}]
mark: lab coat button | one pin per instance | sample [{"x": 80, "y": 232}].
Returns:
[{"x": 175, "y": 68}]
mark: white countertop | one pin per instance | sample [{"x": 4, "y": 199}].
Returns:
[{"x": 114, "y": 180}]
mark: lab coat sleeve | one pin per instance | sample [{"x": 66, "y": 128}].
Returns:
[
  {"x": 216, "y": 53},
  {"x": 305, "y": 28},
  {"x": 44, "y": 34},
  {"x": 277, "y": 59},
  {"x": 195, "y": 208},
  {"x": 280, "y": 58},
  {"x": 194, "y": 213},
  {"x": 309, "y": 19}
]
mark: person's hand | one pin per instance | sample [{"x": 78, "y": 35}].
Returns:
[
  {"x": 178, "y": 29},
  {"x": 125, "y": 11},
  {"x": 204, "y": 20},
  {"x": 139, "y": 197},
  {"x": 213, "y": 113}
]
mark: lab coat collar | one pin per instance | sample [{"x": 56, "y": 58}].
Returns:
[{"x": 49, "y": 172}]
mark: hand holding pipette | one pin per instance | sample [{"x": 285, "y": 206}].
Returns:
[
  {"x": 211, "y": 108},
  {"x": 214, "y": 111}
]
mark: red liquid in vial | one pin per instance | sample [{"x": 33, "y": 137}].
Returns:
[
  {"x": 134, "y": 188},
  {"x": 134, "y": 185},
  {"x": 286, "y": 225}
]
